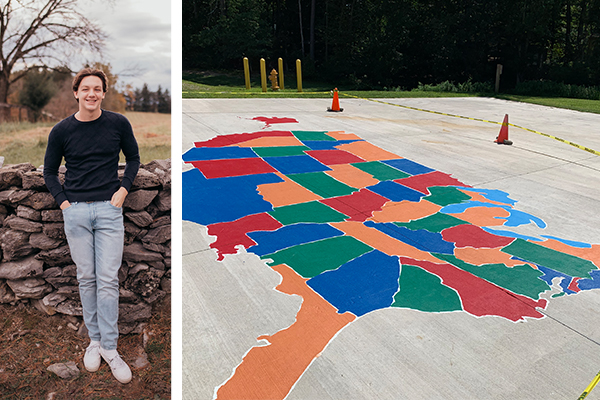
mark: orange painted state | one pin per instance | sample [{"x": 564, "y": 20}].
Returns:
[
  {"x": 368, "y": 151},
  {"x": 286, "y": 193},
  {"x": 351, "y": 176},
  {"x": 341, "y": 135},
  {"x": 483, "y": 256},
  {"x": 405, "y": 211},
  {"x": 479, "y": 197},
  {"x": 383, "y": 242},
  {"x": 483, "y": 216},
  {"x": 270, "y": 372},
  {"x": 273, "y": 141}
]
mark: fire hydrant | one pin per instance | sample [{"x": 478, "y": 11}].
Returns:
[{"x": 273, "y": 79}]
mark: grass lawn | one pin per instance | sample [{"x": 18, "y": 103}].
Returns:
[
  {"x": 26, "y": 142},
  {"x": 204, "y": 85}
]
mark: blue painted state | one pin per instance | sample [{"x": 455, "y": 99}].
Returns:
[
  {"x": 421, "y": 239},
  {"x": 290, "y": 235},
  {"x": 516, "y": 217},
  {"x": 504, "y": 233},
  {"x": 492, "y": 194},
  {"x": 588, "y": 284},
  {"x": 396, "y": 192},
  {"x": 408, "y": 166},
  {"x": 326, "y": 144},
  {"x": 550, "y": 274},
  {"x": 571, "y": 243},
  {"x": 209, "y": 201},
  {"x": 296, "y": 164},
  {"x": 362, "y": 285},
  {"x": 218, "y": 153}
]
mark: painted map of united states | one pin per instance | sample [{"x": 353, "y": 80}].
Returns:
[{"x": 353, "y": 228}]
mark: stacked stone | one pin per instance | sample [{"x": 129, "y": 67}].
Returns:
[{"x": 36, "y": 265}]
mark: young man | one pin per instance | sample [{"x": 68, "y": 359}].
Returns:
[{"x": 91, "y": 199}]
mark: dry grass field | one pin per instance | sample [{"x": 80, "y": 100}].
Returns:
[{"x": 26, "y": 142}]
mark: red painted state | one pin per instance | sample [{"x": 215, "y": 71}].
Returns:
[
  {"x": 573, "y": 285},
  {"x": 423, "y": 181},
  {"x": 474, "y": 236},
  {"x": 359, "y": 206},
  {"x": 233, "y": 167},
  {"x": 229, "y": 140},
  {"x": 480, "y": 297},
  {"x": 275, "y": 120},
  {"x": 334, "y": 157},
  {"x": 234, "y": 233}
]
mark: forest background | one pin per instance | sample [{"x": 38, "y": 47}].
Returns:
[{"x": 546, "y": 47}]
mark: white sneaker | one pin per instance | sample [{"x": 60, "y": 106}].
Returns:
[
  {"x": 91, "y": 358},
  {"x": 119, "y": 368}
]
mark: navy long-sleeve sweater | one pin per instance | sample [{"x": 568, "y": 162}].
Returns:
[{"x": 91, "y": 152}]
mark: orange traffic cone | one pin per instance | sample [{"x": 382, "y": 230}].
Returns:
[
  {"x": 335, "y": 105},
  {"x": 503, "y": 136}
]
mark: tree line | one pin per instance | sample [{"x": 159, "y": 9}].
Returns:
[
  {"x": 400, "y": 43},
  {"x": 49, "y": 94}
]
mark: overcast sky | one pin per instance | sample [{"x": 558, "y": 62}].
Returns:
[{"x": 139, "y": 39}]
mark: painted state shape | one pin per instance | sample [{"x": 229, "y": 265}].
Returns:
[
  {"x": 217, "y": 153},
  {"x": 312, "y": 259},
  {"x": 433, "y": 223},
  {"x": 422, "y": 182},
  {"x": 565, "y": 263},
  {"x": 480, "y": 297},
  {"x": 424, "y": 291},
  {"x": 380, "y": 170},
  {"x": 431, "y": 242},
  {"x": 408, "y": 166},
  {"x": 237, "y": 167},
  {"x": 286, "y": 193},
  {"x": 362, "y": 285},
  {"x": 233, "y": 139},
  {"x": 311, "y": 212},
  {"x": 322, "y": 184},
  {"x": 289, "y": 236},
  {"x": 296, "y": 164},
  {"x": 446, "y": 195},
  {"x": 235, "y": 233},
  {"x": 333, "y": 157},
  {"x": 210, "y": 201},
  {"x": 474, "y": 236},
  {"x": 396, "y": 192},
  {"x": 271, "y": 371},
  {"x": 358, "y": 206}
]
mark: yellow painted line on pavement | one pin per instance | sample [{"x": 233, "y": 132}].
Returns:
[
  {"x": 590, "y": 387},
  {"x": 592, "y": 151}
]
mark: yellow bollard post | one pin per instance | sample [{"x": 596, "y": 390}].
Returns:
[
  {"x": 299, "y": 74},
  {"x": 280, "y": 66},
  {"x": 246, "y": 73},
  {"x": 263, "y": 75}
]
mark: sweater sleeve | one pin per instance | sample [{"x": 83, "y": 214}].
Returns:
[
  {"x": 130, "y": 149},
  {"x": 52, "y": 160}
]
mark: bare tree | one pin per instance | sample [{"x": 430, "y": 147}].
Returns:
[{"x": 41, "y": 33}]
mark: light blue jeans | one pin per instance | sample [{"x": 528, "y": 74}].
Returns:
[{"x": 95, "y": 234}]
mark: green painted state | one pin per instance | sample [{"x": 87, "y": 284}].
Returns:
[
  {"x": 322, "y": 184},
  {"x": 312, "y": 211},
  {"x": 312, "y": 259},
  {"x": 424, "y": 291},
  {"x": 380, "y": 171},
  {"x": 446, "y": 195},
  {"x": 520, "y": 279},
  {"x": 282, "y": 151},
  {"x": 562, "y": 262},
  {"x": 313, "y": 135},
  {"x": 433, "y": 223}
]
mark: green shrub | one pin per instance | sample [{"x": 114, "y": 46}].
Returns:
[{"x": 556, "y": 89}]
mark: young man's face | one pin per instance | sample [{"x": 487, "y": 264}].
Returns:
[{"x": 90, "y": 93}]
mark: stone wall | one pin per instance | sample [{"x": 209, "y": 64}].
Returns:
[{"x": 36, "y": 266}]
